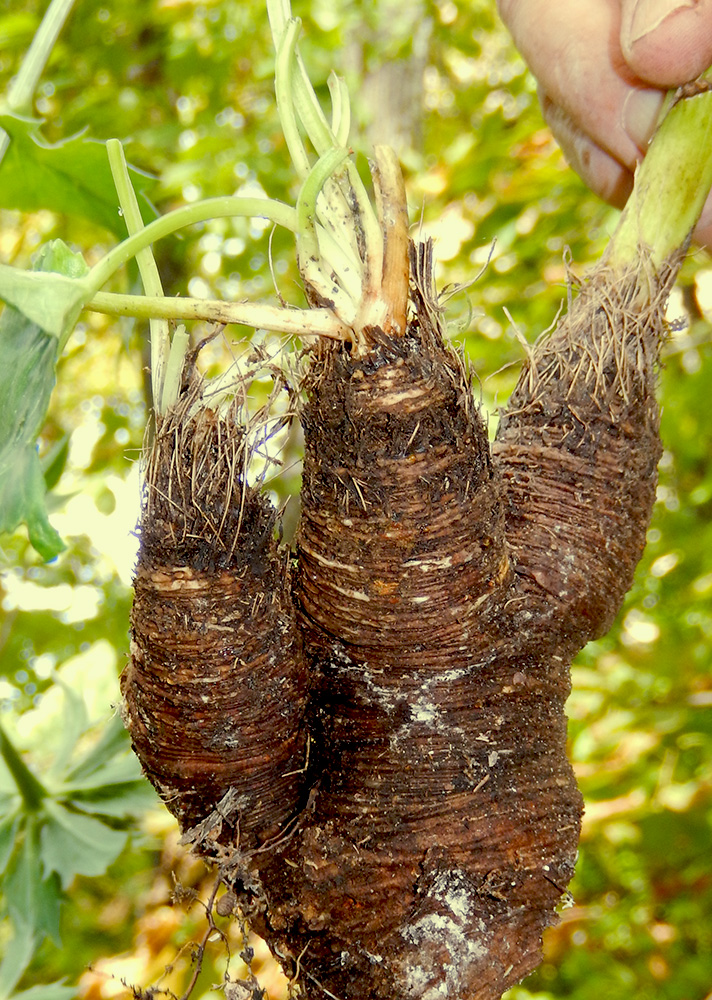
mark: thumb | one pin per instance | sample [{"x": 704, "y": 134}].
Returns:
[{"x": 667, "y": 42}]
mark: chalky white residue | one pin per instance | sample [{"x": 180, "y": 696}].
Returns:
[
  {"x": 450, "y": 928},
  {"x": 423, "y": 710},
  {"x": 387, "y": 698}
]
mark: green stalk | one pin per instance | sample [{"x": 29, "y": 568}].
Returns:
[
  {"x": 296, "y": 97},
  {"x": 150, "y": 278},
  {"x": 301, "y": 93},
  {"x": 171, "y": 379},
  {"x": 284, "y": 92},
  {"x": 671, "y": 185},
  {"x": 187, "y": 215},
  {"x": 306, "y": 202},
  {"x": 21, "y": 91},
  {"x": 340, "y": 109},
  {"x": 32, "y": 791},
  {"x": 297, "y": 322}
]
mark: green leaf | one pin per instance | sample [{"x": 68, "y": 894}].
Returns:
[
  {"x": 49, "y": 991},
  {"x": 18, "y": 956},
  {"x": 27, "y": 377},
  {"x": 120, "y": 802},
  {"x": 9, "y": 828},
  {"x": 73, "y": 844},
  {"x": 33, "y": 901},
  {"x": 75, "y": 722},
  {"x": 17, "y": 29},
  {"x": 29, "y": 787},
  {"x": 113, "y": 740},
  {"x": 51, "y": 302},
  {"x": 71, "y": 177},
  {"x": 54, "y": 462}
]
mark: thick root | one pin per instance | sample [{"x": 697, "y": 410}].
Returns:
[
  {"x": 216, "y": 686},
  {"x": 444, "y": 818}
]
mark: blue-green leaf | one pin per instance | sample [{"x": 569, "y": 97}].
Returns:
[
  {"x": 9, "y": 829},
  {"x": 73, "y": 844},
  {"x": 33, "y": 901},
  {"x": 72, "y": 177},
  {"x": 50, "y": 991},
  {"x": 27, "y": 377}
]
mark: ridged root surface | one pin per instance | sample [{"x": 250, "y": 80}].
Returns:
[
  {"x": 442, "y": 594},
  {"x": 215, "y": 690},
  {"x": 424, "y": 842}
]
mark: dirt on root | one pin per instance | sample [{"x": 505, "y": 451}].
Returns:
[
  {"x": 398, "y": 698},
  {"x": 216, "y": 687}
]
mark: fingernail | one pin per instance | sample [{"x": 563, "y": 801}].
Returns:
[
  {"x": 640, "y": 115},
  {"x": 642, "y": 17}
]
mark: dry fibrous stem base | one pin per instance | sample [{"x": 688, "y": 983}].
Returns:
[
  {"x": 216, "y": 686},
  {"x": 578, "y": 447}
]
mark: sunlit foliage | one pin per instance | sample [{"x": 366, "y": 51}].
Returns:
[{"x": 188, "y": 87}]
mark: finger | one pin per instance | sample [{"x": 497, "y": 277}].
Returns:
[
  {"x": 703, "y": 232},
  {"x": 599, "y": 171},
  {"x": 573, "y": 50},
  {"x": 602, "y": 173},
  {"x": 667, "y": 42}
]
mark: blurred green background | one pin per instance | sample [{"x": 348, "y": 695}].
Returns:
[{"x": 187, "y": 86}]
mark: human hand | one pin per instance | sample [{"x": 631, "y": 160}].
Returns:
[{"x": 603, "y": 67}]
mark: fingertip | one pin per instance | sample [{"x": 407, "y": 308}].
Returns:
[{"x": 666, "y": 42}]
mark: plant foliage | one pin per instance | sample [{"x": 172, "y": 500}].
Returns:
[{"x": 189, "y": 85}]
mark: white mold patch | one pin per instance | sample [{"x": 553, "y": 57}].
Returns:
[{"x": 449, "y": 929}]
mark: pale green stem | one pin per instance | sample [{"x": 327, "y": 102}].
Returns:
[
  {"x": 317, "y": 270},
  {"x": 341, "y": 109},
  {"x": 339, "y": 199},
  {"x": 303, "y": 97},
  {"x": 187, "y": 215},
  {"x": 306, "y": 202},
  {"x": 258, "y": 315},
  {"x": 150, "y": 278},
  {"x": 30, "y": 788},
  {"x": 310, "y": 111},
  {"x": 170, "y": 387},
  {"x": 671, "y": 187},
  {"x": 347, "y": 269},
  {"x": 21, "y": 91},
  {"x": 284, "y": 92}
]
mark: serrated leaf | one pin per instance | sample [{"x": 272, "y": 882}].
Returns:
[
  {"x": 75, "y": 722},
  {"x": 121, "y": 802},
  {"x": 113, "y": 740},
  {"x": 51, "y": 301},
  {"x": 73, "y": 844},
  {"x": 72, "y": 177},
  {"x": 33, "y": 901},
  {"x": 29, "y": 787},
  {"x": 119, "y": 771},
  {"x": 27, "y": 377}
]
